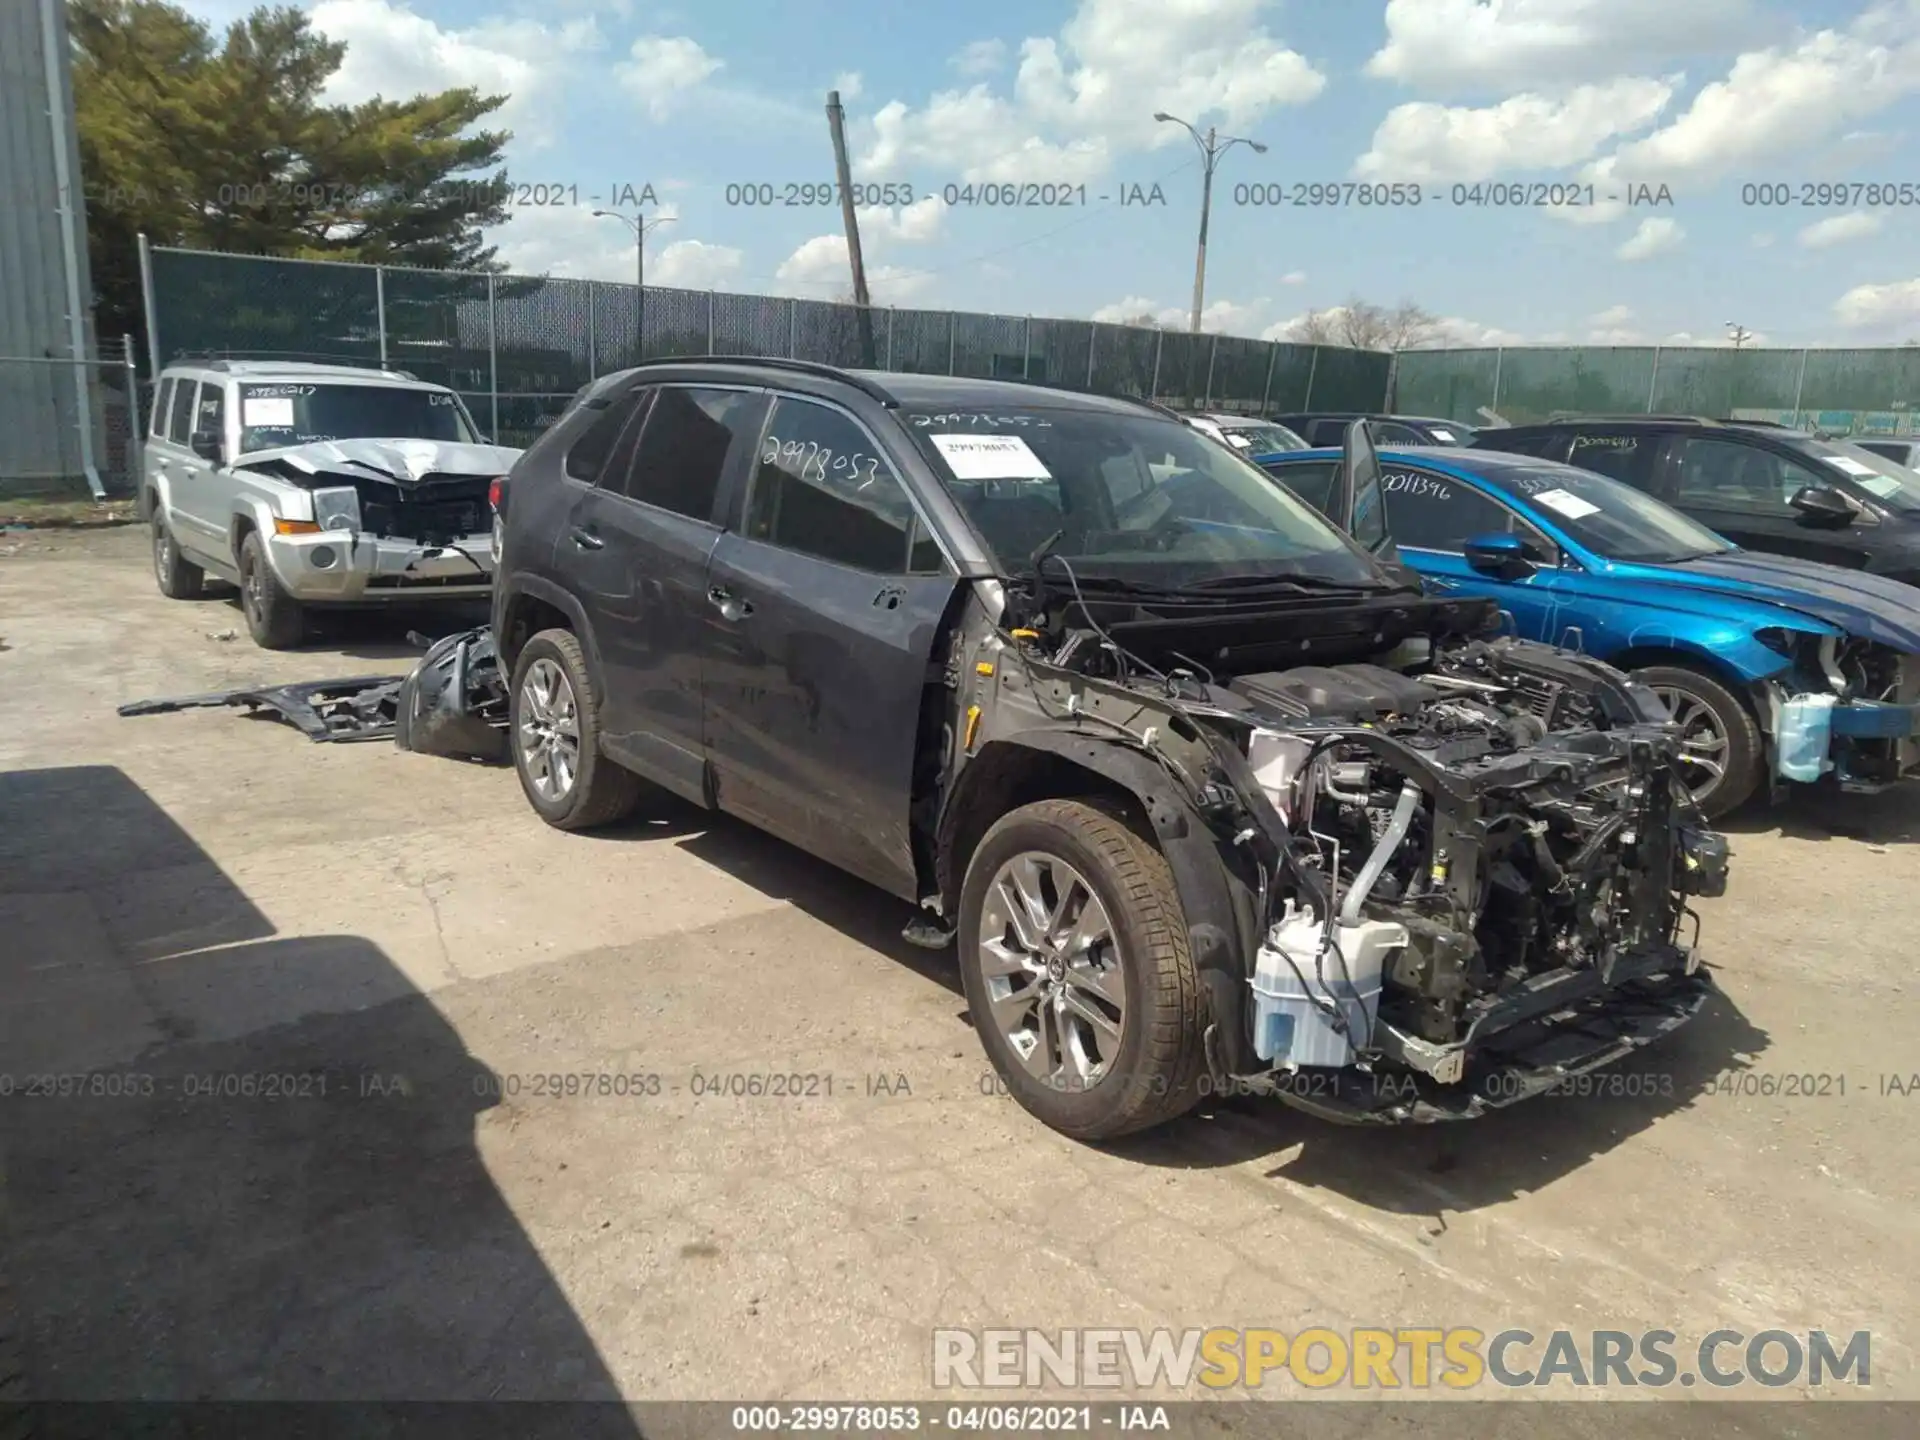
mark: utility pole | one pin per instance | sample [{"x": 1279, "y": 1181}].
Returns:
[
  {"x": 640, "y": 225},
  {"x": 1211, "y": 149},
  {"x": 1738, "y": 334},
  {"x": 843, "y": 172}
]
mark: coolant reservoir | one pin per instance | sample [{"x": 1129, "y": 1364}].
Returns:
[
  {"x": 1289, "y": 1028},
  {"x": 1806, "y": 734},
  {"x": 1276, "y": 757}
]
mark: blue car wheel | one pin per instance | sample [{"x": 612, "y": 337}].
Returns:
[{"x": 1720, "y": 749}]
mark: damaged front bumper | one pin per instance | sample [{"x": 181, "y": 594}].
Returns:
[{"x": 344, "y": 567}]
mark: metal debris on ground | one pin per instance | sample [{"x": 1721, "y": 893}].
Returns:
[{"x": 452, "y": 703}]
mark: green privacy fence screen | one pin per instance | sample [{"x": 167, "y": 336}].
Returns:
[
  {"x": 518, "y": 347},
  {"x": 1850, "y": 391}
]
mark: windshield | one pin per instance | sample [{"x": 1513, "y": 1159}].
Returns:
[
  {"x": 272, "y": 416},
  {"x": 1613, "y": 520},
  {"x": 1131, "y": 497},
  {"x": 1262, "y": 439},
  {"x": 1447, "y": 432},
  {"x": 1888, "y": 481}
]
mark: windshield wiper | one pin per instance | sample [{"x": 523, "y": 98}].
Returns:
[{"x": 1259, "y": 583}]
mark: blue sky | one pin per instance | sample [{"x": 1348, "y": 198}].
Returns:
[{"x": 1704, "y": 97}]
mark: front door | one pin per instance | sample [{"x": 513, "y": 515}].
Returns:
[
  {"x": 1742, "y": 491},
  {"x": 822, "y": 607},
  {"x": 200, "y": 518}
]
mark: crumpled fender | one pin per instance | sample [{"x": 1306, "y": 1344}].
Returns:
[{"x": 454, "y": 701}]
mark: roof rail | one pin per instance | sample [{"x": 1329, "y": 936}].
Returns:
[
  {"x": 1631, "y": 415},
  {"x": 781, "y": 362}
]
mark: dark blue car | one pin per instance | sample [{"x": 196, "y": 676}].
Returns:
[{"x": 1776, "y": 668}]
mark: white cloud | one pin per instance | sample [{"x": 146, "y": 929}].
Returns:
[
  {"x": 1452, "y": 331},
  {"x": 1467, "y": 45},
  {"x": 662, "y": 68},
  {"x": 694, "y": 265},
  {"x": 395, "y": 53},
  {"x": 1294, "y": 277},
  {"x": 1786, "y": 100},
  {"x": 1889, "y": 307},
  {"x": 1614, "y": 315},
  {"x": 1087, "y": 96},
  {"x": 1654, "y": 237},
  {"x": 819, "y": 268},
  {"x": 849, "y": 83},
  {"x": 1124, "y": 312},
  {"x": 913, "y": 224},
  {"x": 982, "y": 57},
  {"x": 1613, "y": 326},
  {"x": 1838, "y": 229},
  {"x": 1763, "y": 240},
  {"x": 1425, "y": 141}
]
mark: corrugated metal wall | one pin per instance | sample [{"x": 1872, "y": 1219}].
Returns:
[{"x": 41, "y": 406}]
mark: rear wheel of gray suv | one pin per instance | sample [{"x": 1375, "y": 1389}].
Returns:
[
  {"x": 274, "y": 618},
  {"x": 1079, "y": 980},
  {"x": 554, "y": 720},
  {"x": 1720, "y": 748},
  {"x": 178, "y": 580}
]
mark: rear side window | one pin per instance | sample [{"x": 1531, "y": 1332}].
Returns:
[
  {"x": 821, "y": 487},
  {"x": 1545, "y": 445},
  {"x": 1621, "y": 456},
  {"x": 162, "y": 404},
  {"x": 1391, "y": 432},
  {"x": 588, "y": 457},
  {"x": 180, "y": 419},
  {"x": 683, "y": 447}
]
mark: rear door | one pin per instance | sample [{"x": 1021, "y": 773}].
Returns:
[
  {"x": 636, "y": 545},
  {"x": 1743, "y": 491},
  {"x": 824, "y": 599}
]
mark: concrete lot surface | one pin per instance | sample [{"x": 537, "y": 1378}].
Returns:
[{"x": 388, "y": 951}]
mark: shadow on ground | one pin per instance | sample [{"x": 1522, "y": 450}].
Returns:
[
  {"x": 247, "y": 1172},
  {"x": 1822, "y": 813}
]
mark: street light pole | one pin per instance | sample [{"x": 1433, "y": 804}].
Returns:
[
  {"x": 1738, "y": 334},
  {"x": 640, "y": 225},
  {"x": 1211, "y": 149}
]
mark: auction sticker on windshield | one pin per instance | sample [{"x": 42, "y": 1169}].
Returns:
[
  {"x": 266, "y": 411},
  {"x": 1571, "y": 506},
  {"x": 990, "y": 457},
  {"x": 1850, "y": 465}
]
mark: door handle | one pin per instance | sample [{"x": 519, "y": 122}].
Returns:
[
  {"x": 730, "y": 606},
  {"x": 585, "y": 539}
]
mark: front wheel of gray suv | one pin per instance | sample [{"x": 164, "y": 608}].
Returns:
[
  {"x": 553, "y": 719},
  {"x": 274, "y": 618},
  {"x": 1074, "y": 955}
]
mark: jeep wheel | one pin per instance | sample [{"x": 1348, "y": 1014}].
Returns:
[
  {"x": 1073, "y": 952},
  {"x": 274, "y": 618},
  {"x": 554, "y": 720},
  {"x": 177, "y": 579},
  {"x": 1720, "y": 749}
]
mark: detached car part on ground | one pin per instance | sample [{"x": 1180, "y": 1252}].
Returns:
[
  {"x": 1777, "y": 669},
  {"x": 1196, "y": 823},
  {"x": 316, "y": 486}
]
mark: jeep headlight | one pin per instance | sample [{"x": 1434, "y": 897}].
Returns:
[{"x": 337, "y": 508}]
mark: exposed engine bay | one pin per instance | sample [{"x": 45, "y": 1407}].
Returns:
[{"x": 1462, "y": 859}]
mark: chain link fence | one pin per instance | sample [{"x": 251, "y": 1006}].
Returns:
[
  {"x": 518, "y": 347},
  {"x": 69, "y": 428},
  {"x": 1865, "y": 391}
]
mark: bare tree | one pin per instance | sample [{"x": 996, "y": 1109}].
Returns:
[{"x": 1362, "y": 325}]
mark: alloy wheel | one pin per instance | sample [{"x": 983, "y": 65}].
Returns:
[
  {"x": 1703, "y": 740},
  {"x": 1054, "y": 981},
  {"x": 162, "y": 552},
  {"x": 549, "y": 729}
]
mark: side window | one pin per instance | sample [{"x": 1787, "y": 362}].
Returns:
[
  {"x": 1434, "y": 512},
  {"x": 820, "y": 487},
  {"x": 180, "y": 420},
  {"x": 1547, "y": 445},
  {"x": 682, "y": 448},
  {"x": 162, "y": 407},
  {"x": 1621, "y": 456},
  {"x": 1391, "y": 432},
  {"x": 1729, "y": 476},
  {"x": 588, "y": 455},
  {"x": 1311, "y": 480},
  {"x": 210, "y": 413}
]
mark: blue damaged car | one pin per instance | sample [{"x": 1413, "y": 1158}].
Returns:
[{"x": 1776, "y": 669}]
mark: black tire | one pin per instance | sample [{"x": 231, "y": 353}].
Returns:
[
  {"x": 274, "y": 618},
  {"x": 1742, "y": 754},
  {"x": 177, "y": 579},
  {"x": 601, "y": 791},
  {"x": 1152, "y": 1075}
]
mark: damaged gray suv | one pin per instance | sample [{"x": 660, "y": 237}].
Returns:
[
  {"x": 1209, "y": 794},
  {"x": 315, "y": 486}
]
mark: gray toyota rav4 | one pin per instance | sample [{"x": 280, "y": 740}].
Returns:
[
  {"x": 315, "y": 486},
  {"x": 1208, "y": 794}
]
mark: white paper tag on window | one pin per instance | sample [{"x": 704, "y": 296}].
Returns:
[
  {"x": 269, "y": 410},
  {"x": 1564, "y": 503},
  {"x": 1885, "y": 486},
  {"x": 1239, "y": 442},
  {"x": 1444, "y": 436},
  {"x": 990, "y": 457},
  {"x": 1850, "y": 465}
]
